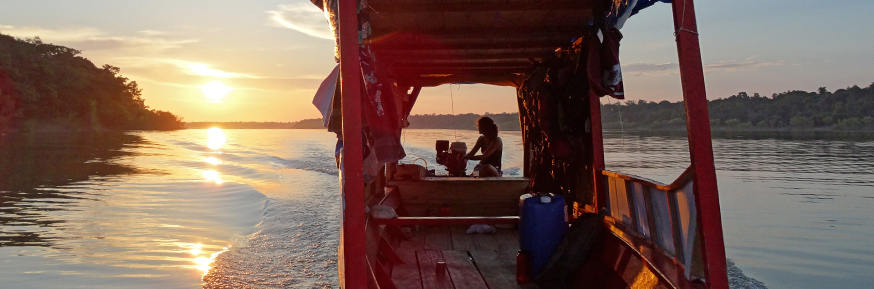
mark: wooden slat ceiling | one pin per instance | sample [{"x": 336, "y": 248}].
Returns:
[{"x": 433, "y": 42}]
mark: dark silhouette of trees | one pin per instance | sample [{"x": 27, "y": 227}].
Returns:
[
  {"x": 467, "y": 121},
  {"x": 506, "y": 122},
  {"x": 845, "y": 109},
  {"x": 51, "y": 84},
  {"x": 303, "y": 124}
]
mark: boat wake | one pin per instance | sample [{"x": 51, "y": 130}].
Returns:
[{"x": 737, "y": 279}]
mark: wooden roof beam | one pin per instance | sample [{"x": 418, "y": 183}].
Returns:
[
  {"x": 461, "y": 46},
  {"x": 549, "y": 31},
  {"x": 460, "y": 70},
  {"x": 503, "y": 79},
  {"x": 422, "y": 63},
  {"x": 400, "y": 56},
  {"x": 390, "y": 7}
]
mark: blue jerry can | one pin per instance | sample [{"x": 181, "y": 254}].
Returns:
[{"x": 543, "y": 222}]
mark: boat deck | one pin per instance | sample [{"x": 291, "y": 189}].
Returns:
[{"x": 486, "y": 261}]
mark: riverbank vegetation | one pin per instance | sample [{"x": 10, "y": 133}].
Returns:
[
  {"x": 467, "y": 121},
  {"x": 254, "y": 124},
  {"x": 847, "y": 110},
  {"x": 50, "y": 87},
  {"x": 850, "y": 109}
]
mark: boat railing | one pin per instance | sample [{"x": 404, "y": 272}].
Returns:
[{"x": 660, "y": 217}]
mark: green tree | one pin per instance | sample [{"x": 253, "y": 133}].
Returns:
[{"x": 53, "y": 84}]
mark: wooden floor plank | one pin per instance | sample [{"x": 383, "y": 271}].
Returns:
[
  {"x": 462, "y": 271},
  {"x": 485, "y": 242},
  {"x": 507, "y": 240},
  {"x": 498, "y": 269},
  {"x": 416, "y": 241},
  {"x": 461, "y": 241},
  {"x": 406, "y": 275},
  {"x": 428, "y": 270},
  {"x": 438, "y": 238}
]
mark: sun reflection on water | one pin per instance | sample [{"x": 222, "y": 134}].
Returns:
[
  {"x": 213, "y": 161},
  {"x": 197, "y": 249},
  {"x": 216, "y": 139},
  {"x": 201, "y": 262},
  {"x": 212, "y": 176}
]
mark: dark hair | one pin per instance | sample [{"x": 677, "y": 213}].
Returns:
[{"x": 488, "y": 126}]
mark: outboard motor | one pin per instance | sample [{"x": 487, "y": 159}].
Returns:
[{"x": 452, "y": 157}]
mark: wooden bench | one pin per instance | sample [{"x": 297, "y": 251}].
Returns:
[{"x": 447, "y": 221}]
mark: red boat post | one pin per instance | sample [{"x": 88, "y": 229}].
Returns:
[
  {"x": 700, "y": 146},
  {"x": 352, "y": 256},
  {"x": 598, "y": 162}
]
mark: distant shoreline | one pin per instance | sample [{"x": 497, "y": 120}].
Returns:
[
  {"x": 612, "y": 130},
  {"x": 425, "y": 123}
]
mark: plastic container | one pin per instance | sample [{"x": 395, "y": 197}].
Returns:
[
  {"x": 459, "y": 147},
  {"x": 522, "y": 267},
  {"x": 542, "y": 224}
]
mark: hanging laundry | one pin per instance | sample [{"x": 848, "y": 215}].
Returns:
[
  {"x": 604, "y": 70},
  {"x": 325, "y": 95}
]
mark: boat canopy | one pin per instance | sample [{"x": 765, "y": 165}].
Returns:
[
  {"x": 561, "y": 55},
  {"x": 428, "y": 43}
]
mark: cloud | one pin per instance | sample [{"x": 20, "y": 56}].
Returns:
[
  {"x": 62, "y": 35},
  {"x": 92, "y": 39},
  {"x": 181, "y": 66},
  {"x": 304, "y": 18},
  {"x": 733, "y": 65},
  {"x": 145, "y": 79},
  {"x": 151, "y": 32},
  {"x": 133, "y": 43},
  {"x": 650, "y": 69},
  {"x": 672, "y": 68}
]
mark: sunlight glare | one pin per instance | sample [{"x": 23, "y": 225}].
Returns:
[
  {"x": 212, "y": 176},
  {"x": 197, "y": 249},
  {"x": 215, "y": 90},
  {"x": 213, "y": 161},
  {"x": 216, "y": 139},
  {"x": 204, "y": 263}
]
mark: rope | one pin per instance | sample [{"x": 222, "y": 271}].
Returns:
[
  {"x": 454, "y": 126},
  {"x": 683, "y": 22},
  {"x": 426, "y": 162},
  {"x": 619, "y": 107},
  {"x": 621, "y": 124}
]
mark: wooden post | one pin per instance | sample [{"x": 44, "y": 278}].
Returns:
[
  {"x": 352, "y": 257},
  {"x": 700, "y": 147},
  {"x": 526, "y": 147},
  {"x": 598, "y": 163}
]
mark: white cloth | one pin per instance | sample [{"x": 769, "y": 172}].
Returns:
[
  {"x": 382, "y": 212},
  {"x": 325, "y": 94},
  {"x": 481, "y": 229}
]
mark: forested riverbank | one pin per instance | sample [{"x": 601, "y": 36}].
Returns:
[
  {"x": 47, "y": 87},
  {"x": 844, "y": 110},
  {"x": 850, "y": 109}
]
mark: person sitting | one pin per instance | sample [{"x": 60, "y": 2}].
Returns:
[{"x": 492, "y": 148}]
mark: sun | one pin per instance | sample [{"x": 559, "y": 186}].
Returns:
[{"x": 215, "y": 90}]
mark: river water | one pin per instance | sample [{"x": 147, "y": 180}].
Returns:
[{"x": 259, "y": 208}]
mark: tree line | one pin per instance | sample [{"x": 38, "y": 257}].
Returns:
[
  {"x": 505, "y": 121},
  {"x": 249, "y": 124},
  {"x": 43, "y": 84},
  {"x": 844, "y": 109}
]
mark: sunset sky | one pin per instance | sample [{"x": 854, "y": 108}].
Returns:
[{"x": 270, "y": 56}]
